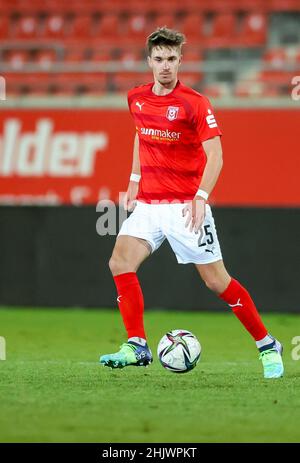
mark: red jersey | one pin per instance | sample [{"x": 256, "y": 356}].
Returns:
[{"x": 171, "y": 129}]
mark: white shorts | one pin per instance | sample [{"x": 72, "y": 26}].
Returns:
[{"x": 157, "y": 222}]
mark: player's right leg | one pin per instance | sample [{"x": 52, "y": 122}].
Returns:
[{"x": 128, "y": 254}]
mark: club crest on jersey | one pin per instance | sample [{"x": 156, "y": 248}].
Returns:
[{"x": 172, "y": 113}]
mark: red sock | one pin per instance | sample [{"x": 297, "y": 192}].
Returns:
[
  {"x": 244, "y": 308},
  {"x": 131, "y": 303}
]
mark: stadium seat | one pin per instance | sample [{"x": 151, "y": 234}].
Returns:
[
  {"x": 191, "y": 55},
  {"x": 122, "y": 82},
  {"x": 216, "y": 90},
  {"x": 129, "y": 59},
  {"x": 4, "y": 27},
  {"x": 26, "y": 27},
  {"x": 98, "y": 55},
  {"x": 17, "y": 59},
  {"x": 191, "y": 79},
  {"x": 109, "y": 27},
  {"x": 254, "y": 30},
  {"x": 284, "y": 5},
  {"x": 137, "y": 26},
  {"x": 24, "y": 84},
  {"x": 275, "y": 58},
  {"x": 192, "y": 26},
  {"x": 74, "y": 55},
  {"x": 81, "y": 27},
  {"x": 55, "y": 27},
  {"x": 246, "y": 89},
  {"x": 164, "y": 20},
  {"x": 45, "y": 59},
  {"x": 223, "y": 31}
]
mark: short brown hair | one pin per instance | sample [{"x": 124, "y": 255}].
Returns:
[{"x": 163, "y": 36}]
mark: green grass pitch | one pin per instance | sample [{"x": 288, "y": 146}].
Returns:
[{"x": 53, "y": 390}]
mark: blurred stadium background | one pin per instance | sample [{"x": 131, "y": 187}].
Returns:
[{"x": 66, "y": 142}]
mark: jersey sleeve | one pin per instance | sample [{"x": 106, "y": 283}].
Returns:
[{"x": 207, "y": 126}]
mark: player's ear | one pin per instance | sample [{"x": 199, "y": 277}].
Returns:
[
  {"x": 180, "y": 59},
  {"x": 149, "y": 61}
]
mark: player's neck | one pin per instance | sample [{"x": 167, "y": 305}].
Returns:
[{"x": 162, "y": 90}]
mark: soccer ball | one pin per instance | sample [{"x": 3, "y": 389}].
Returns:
[{"x": 179, "y": 351}]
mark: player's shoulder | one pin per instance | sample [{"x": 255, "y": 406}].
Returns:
[
  {"x": 139, "y": 90},
  {"x": 193, "y": 96}
]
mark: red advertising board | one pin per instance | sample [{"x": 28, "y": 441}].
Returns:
[{"x": 78, "y": 156}]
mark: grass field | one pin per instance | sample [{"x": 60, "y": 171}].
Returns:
[{"x": 53, "y": 390}]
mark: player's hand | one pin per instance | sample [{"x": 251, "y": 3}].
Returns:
[
  {"x": 195, "y": 212},
  {"x": 130, "y": 196}
]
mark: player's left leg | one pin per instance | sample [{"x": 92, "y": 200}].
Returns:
[
  {"x": 204, "y": 251},
  {"x": 239, "y": 300}
]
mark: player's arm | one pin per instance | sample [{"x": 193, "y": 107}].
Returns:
[
  {"x": 196, "y": 209},
  {"x": 213, "y": 167},
  {"x": 133, "y": 186}
]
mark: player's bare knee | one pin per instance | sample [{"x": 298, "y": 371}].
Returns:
[
  {"x": 118, "y": 265},
  {"x": 214, "y": 284},
  {"x": 114, "y": 264}
]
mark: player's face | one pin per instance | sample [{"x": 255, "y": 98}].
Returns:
[{"x": 164, "y": 62}]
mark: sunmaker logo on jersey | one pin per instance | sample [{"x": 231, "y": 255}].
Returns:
[{"x": 161, "y": 135}]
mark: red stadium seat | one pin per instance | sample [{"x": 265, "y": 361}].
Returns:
[
  {"x": 19, "y": 84},
  {"x": 122, "y": 82},
  {"x": 191, "y": 56},
  {"x": 254, "y": 29},
  {"x": 45, "y": 59},
  {"x": 129, "y": 59},
  {"x": 74, "y": 55},
  {"x": 109, "y": 27},
  {"x": 137, "y": 26},
  {"x": 81, "y": 27},
  {"x": 55, "y": 27},
  {"x": 248, "y": 89},
  {"x": 223, "y": 31},
  {"x": 284, "y": 5},
  {"x": 164, "y": 20},
  {"x": 192, "y": 26},
  {"x": 191, "y": 79},
  {"x": 275, "y": 58},
  {"x": 27, "y": 27},
  {"x": 100, "y": 55},
  {"x": 17, "y": 59},
  {"x": 4, "y": 27},
  {"x": 216, "y": 90}
]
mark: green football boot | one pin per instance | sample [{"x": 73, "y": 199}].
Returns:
[
  {"x": 272, "y": 361},
  {"x": 130, "y": 353}
]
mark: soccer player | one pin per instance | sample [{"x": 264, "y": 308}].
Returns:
[{"x": 177, "y": 159}]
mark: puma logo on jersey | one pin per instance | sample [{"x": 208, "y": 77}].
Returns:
[
  {"x": 237, "y": 304},
  {"x": 139, "y": 105},
  {"x": 210, "y": 119}
]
